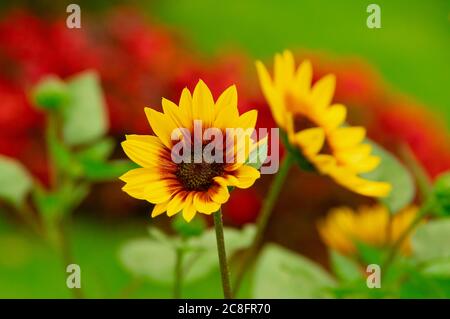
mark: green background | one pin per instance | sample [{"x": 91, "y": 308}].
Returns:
[{"x": 411, "y": 50}]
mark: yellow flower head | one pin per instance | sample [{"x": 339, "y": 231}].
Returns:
[
  {"x": 200, "y": 184},
  {"x": 369, "y": 225},
  {"x": 316, "y": 127}
]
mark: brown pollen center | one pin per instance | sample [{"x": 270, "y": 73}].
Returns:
[{"x": 198, "y": 176}]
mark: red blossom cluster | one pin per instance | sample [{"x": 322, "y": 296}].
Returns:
[{"x": 139, "y": 62}]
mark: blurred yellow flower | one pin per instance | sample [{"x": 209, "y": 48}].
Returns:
[
  {"x": 201, "y": 183},
  {"x": 317, "y": 127},
  {"x": 369, "y": 225}
]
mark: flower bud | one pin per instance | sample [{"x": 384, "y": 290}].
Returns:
[{"x": 51, "y": 93}]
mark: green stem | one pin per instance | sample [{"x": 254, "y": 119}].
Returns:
[
  {"x": 225, "y": 273},
  {"x": 51, "y": 134},
  {"x": 178, "y": 273},
  {"x": 424, "y": 210},
  {"x": 422, "y": 178},
  {"x": 263, "y": 219},
  {"x": 66, "y": 255}
]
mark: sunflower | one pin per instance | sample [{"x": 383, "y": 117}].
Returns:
[
  {"x": 199, "y": 184},
  {"x": 317, "y": 127},
  {"x": 369, "y": 225}
]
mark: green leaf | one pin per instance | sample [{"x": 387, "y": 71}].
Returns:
[
  {"x": 98, "y": 151},
  {"x": 392, "y": 171},
  {"x": 437, "y": 268},
  {"x": 50, "y": 93},
  {"x": 280, "y": 273},
  {"x": 53, "y": 205},
  {"x": 195, "y": 228},
  {"x": 154, "y": 258},
  {"x": 431, "y": 241},
  {"x": 50, "y": 205},
  {"x": 369, "y": 254},
  {"x": 85, "y": 118},
  {"x": 345, "y": 268},
  {"x": 62, "y": 156},
  {"x": 97, "y": 171},
  {"x": 441, "y": 194},
  {"x": 15, "y": 181}
]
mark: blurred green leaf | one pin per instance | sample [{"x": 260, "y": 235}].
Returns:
[
  {"x": 437, "y": 268},
  {"x": 369, "y": 254},
  {"x": 97, "y": 171},
  {"x": 345, "y": 268},
  {"x": 85, "y": 118},
  {"x": 15, "y": 181},
  {"x": 195, "y": 228},
  {"x": 158, "y": 235},
  {"x": 441, "y": 194},
  {"x": 280, "y": 273},
  {"x": 51, "y": 93},
  {"x": 154, "y": 259},
  {"x": 392, "y": 171},
  {"x": 63, "y": 158},
  {"x": 431, "y": 241},
  {"x": 49, "y": 204},
  {"x": 202, "y": 260},
  {"x": 99, "y": 150}
]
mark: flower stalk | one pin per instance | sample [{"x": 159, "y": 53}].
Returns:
[
  {"x": 178, "y": 273},
  {"x": 224, "y": 271},
  {"x": 264, "y": 216},
  {"x": 392, "y": 254}
]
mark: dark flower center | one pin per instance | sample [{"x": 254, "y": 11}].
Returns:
[{"x": 198, "y": 176}]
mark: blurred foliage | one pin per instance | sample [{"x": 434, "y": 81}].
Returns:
[{"x": 154, "y": 258}]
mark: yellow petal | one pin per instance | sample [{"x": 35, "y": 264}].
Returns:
[
  {"x": 311, "y": 140},
  {"x": 158, "y": 209},
  {"x": 137, "y": 180},
  {"x": 228, "y": 100},
  {"x": 185, "y": 104},
  {"x": 346, "y": 137},
  {"x": 203, "y": 105},
  {"x": 353, "y": 155},
  {"x": 303, "y": 77},
  {"x": 274, "y": 98},
  {"x": 279, "y": 71},
  {"x": 334, "y": 116},
  {"x": 247, "y": 120},
  {"x": 246, "y": 176},
  {"x": 176, "y": 204},
  {"x": 161, "y": 124},
  {"x": 289, "y": 66},
  {"x": 219, "y": 191},
  {"x": 160, "y": 191},
  {"x": 366, "y": 165},
  {"x": 227, "y": 117},
  {"x": 324, "y": 163},
  {"x": 176, "y": 114},
  {"x": 322, "y": 92},
  {"x": 189, "y": 208},
  {"x": 359, "y": 185},
  {"x": 146, "y": 151},
  {"x": 204, "y": 204}
]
